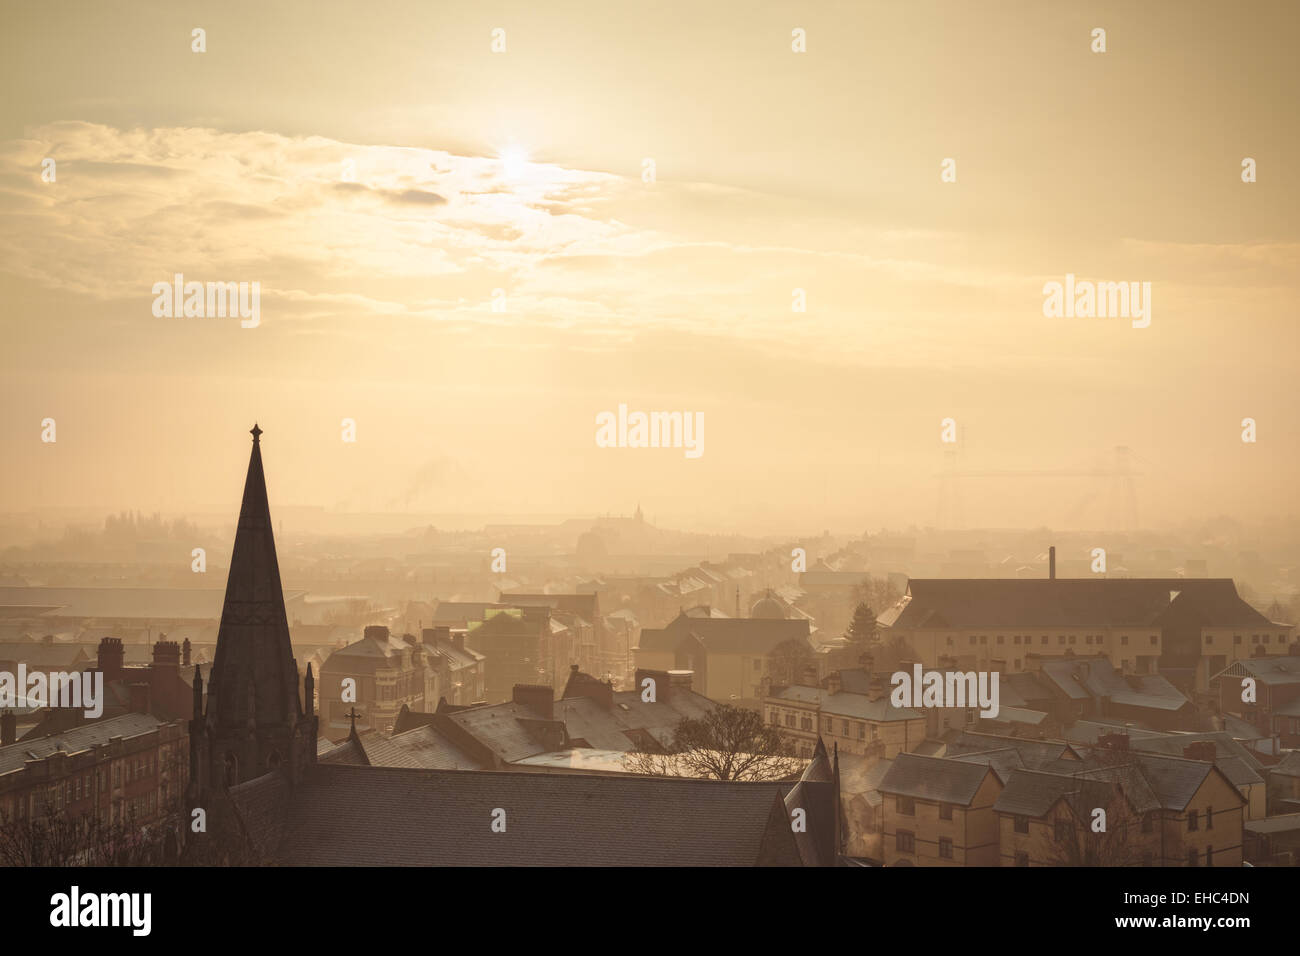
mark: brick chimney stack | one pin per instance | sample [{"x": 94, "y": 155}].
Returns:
[
  {"x": 538, "y": 697},
  {"x": 185, "y": 653},
  {"x": 1200, "y": 750},
  {"x": 8, "y": 728},
  {"x": 112, "y": 658},
  {"x": 1051, "y": 563}
]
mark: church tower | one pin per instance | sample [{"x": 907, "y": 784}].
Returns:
[{"x": 255, "y": 722}]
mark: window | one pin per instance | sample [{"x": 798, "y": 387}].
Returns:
[
  {"x": 1192, "y": 820},
  {"x": 805, "y": 722},
  {"x": 1265, "y": 638},
  {"x": 1001, "y": 639},
  {"x": 972, "y": 638},
  {"x": 1073, "y": 638},
  {"x": 1016, "y": 639},
  {"x": 905, "y": 841},
  {"x": 1209, "y": 639},
  {"x": 862, "y": 731},
  {"x": 789, "y": 720},
  {"x": 984, "y": 638},
  {"x": 1209, "y": 818},
  {"x": 1088, "y": 639},
  {"x": 945, "y": 811},
  {"x": 945, "y": 848},
  {"x": 949, "y": 640},
  {"x": 1022, "y": 824},
  {"x": 830, "y": 725},
  {"x": 1123, "y": 640},
  {"x": 1154, "y": 640},
  {"x": 1022, "y": 859},
  {"x": 907, "y": 806},
  {"x": 1236, "y": 638},
  {"x": 844, "y": 728},
  {"x": 1044, "y": 640},
  {"x": 1060, "y": 639},
  {"x": 1191, "y": 857}
]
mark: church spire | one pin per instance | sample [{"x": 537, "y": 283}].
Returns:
[{"x": 254, "y": 714}]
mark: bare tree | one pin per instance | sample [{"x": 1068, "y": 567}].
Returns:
[
  {"x": 728, "y": 743},
  {"x": 53, "y": 838}
]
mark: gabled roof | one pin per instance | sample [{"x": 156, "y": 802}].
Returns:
[
  {"x": 384, "y": 816},
  {"x": 934, "y": 778},
  {"x": 1274, "y": 671}
]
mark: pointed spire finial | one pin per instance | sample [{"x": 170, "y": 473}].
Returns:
[{"x": 256, "y": 433}]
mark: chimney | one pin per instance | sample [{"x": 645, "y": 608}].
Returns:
[
  {"x": 538, "y": 697},
  {"x": 833, "y": 682},
  {"x": 1051, "y": 563},
  {"x": 737, "y": 600},
  {"x": 111, "y": 658},
  {"x": 167, "y": 654},
  {"x": 377, "y": 632},
  {"x": 680, "y": 680},
  {"x": 1200, "y": 750},
  {"x": 185, "y": 653},
  {"x": 458, "y": 638},
  {"x": 8, "y": 728}
]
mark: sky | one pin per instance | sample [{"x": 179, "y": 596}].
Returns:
[{"x": 381, "y": 172}]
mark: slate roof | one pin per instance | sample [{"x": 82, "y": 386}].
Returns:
[
  {"x": 934, "y": 778},
  {"x": 1097, "y": 677},
  {"x": 1034, "y": 753},
  {"x": 1033, "y": 793},
  {"x": 1070, "y": 602},
  {"x": 384, "y": 816},
  {"x": 349, "y": 752},
  {"x": 1288, "y": 766},
  {"x": 1273, "y": 671},
  {"x": 76, "y": 739},
  {"x": 422, "y": 747},
  {"x": 498, "y": 727}
]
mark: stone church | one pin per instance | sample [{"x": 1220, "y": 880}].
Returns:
[{"x": 268, "y": 800}]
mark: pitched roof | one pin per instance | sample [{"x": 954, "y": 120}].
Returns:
[
  {"x": 384, "y": 816},
  {"x": 725, "y": 635},
  {"x": 76, "y": 740},
  {"x": 1070, "y": 602},
  {"x": 934, "y": 778},
  {"x": 1273, "y": 671}
]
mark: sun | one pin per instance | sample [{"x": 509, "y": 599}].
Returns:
[{"x": 514, "y": 161}]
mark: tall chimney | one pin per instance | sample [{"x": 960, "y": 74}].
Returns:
[
  {"x": 8, "y": 728},
  {"x": 1051, "y": 562},
  {"x": 185, "y": 653}
]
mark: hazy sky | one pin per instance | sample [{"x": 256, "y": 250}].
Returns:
[{"x": 522, "y": 171}]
